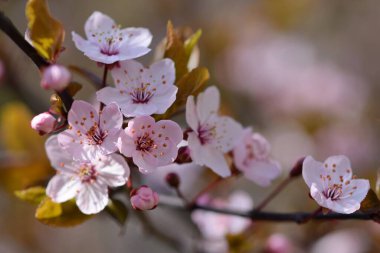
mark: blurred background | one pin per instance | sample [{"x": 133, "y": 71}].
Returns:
[{"x": 304, "y": 73}]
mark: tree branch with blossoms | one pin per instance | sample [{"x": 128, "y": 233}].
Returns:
[{"x": 95, "y": 150}]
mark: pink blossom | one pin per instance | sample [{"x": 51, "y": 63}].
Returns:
[
  {"x": 91, "y": 132},
  {"x": 141, "y": 91},
  {"x": 86, "y": 180},
  {"x": 151, "y": 144},
  {"x": 278, "y": 243},
  {"x": 212, "y": 135},
  {"x": 44, "y": 123},
  {"x": 214, "y": 226},
  {"x": 332, "y": 186},
  {"x": 107, "y": 43},
  {"x": 55, "y": 77},
  {"x": 251, "y": 156},
  {"x": 144, "y": 198}
]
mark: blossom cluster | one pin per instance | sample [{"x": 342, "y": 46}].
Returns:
[{"x": 96, "y": 148}]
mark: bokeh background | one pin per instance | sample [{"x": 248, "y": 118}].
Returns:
[{"x": 304, "y": 73}]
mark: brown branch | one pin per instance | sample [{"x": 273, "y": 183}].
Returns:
[
  {"x": 9, "y": 29},
  {"x": 297, "y": 217}
]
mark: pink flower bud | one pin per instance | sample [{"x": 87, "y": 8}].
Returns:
[
  {"x": 55, "y": 77},
  {"x": 44, "y": 123},
  {"x": 144, "y": 198}
]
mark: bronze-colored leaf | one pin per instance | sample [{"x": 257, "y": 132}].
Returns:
[
  {"x": 45, "y": 32},
  {"x": 371, "y": 203}
]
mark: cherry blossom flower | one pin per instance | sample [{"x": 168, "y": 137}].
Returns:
[
  {"x": 107, "y": 43},
  {"x": 55, "y": 77},
  {"x": 151, "y": 144},
  {"x": 144, "y": 198},
  {"x": 44, "y": 123},
  {"x": 86, "y": 180},
  {"x": 141, "y": 91},
  {"x": 212, "y": 135},
  {"x": 332, "y": 185},
  {"x": 214, "y": 227},
  {"x": 251, "y": 156},
  {"x": 90, "y": 132}
]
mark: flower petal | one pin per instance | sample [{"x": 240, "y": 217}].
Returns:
[
  {"x": 207, "y": 103},
  {"x": 98, "y": 23},
  {"x": 63, "y": 187},
  {"x": 111, "y": 117},
  {"x": 160, "y": 74},
  {"x": 140, "y": 37},
  {"x": 191, "y": 114},
  {"x": 312, "y": 170},
  {"x": 92, "y": 198},
  {"x": 114, "y": 170},
  {"x": 339, "y": 168},
  {"x": 262, "y": 172}
]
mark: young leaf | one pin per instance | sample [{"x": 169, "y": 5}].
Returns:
[
  {"x": 45, "y": 33},
  {"x": 117, "y": 210},
  {"x": 175, "y": 50},
  {"x": 64, "y": 214},
  {"x": 33, "y": 195},
  {"x": 191, "y": 42},
  {"x": 371, "y": 203},
  {"x": 190, "y": 84}
]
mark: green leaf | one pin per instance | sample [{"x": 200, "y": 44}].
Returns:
[
  {"x": 191, "y": 84},
  {"x": 191, "y": 42},
  {"x": 45, "y": 32},
  {"x": 371, "y": 203},
  {"x": 118, "y": 211},
  {"x": 64, "y": 214},
  {"x": 33, "y": 195}
]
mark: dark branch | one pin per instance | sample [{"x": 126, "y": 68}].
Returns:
[
  {"x": 9, "y": 29},
  {"x": 298, "y": 217}
]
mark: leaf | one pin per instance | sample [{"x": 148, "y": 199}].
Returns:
[
  {"x": 73, "y": 88},
  {"x": 191, "y": 42},
  {"x": 191, "y": 84},
  {"x": 117, "y": 210},
  {"x": 56, "y": 105},
  {"x": 45, "y": 32},
  {"x": 33, "y": 195},
  {"x": 64, "y": 214},
  {"x": 371, "y": 203},
  {"x": 175, "y": 50}
]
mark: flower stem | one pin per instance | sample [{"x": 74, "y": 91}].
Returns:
[
  {"x": 274, "y": 193},
  {"x": 104, "y": 83}
]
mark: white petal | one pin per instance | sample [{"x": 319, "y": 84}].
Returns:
[
  {"x": 207, "y": 103},
  {"x": 262, "y": 172},
  {"x": 114, "y": 171},
  {"x": 110, "y": 95},
  {"x": 317, "y": 195},
  {"x": 58, "y": 157},
  {"x": 228, "y": 133},
  {"x": 312, "y": 170},
  {"x": 84, "y": 45},
  {"x": 339, "y": 168},
  {"x": 160, "y": 74},
  {"x": 139, "y": 37},
  {"x": 191, "y": 114},
  {"x": 98, "y": 23},
  {"x": 215, "y": 160},
  {"x": 92, "y": 198},
  {"x": 129, "y": 52},
  {"x": 82, "y": 116},
  {"x": 126, "y": 144},
  {"x": 111, "y": 117},
  {"x": 129, "y": 74},
  {"x": 163, "y": 101},
  {"x": 63, "y": 187}
]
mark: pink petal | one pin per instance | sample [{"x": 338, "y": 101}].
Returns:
[
  {"x": 160, "y": 74},
  {"x": 168, "y": 129},
  {"x": 312, "y": 170},
  {"x": 339, "y": 168},
  {"x": 126, "y": 144},
  {"x": 111, "y": 117},
  {"x": 207, "y": 103},
  {"x": 163, "y": 101},
  {"x": 82, "y": 116},
  {"x": 114, "y": 171},
  {"x": 262, "y": 172},
  {"x": 140, "y": 37},
  {"x": 191, "y": 114}
]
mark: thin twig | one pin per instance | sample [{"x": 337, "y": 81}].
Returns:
[{"x": 274, "y": 193}]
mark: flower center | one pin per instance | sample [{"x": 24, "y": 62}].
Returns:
[
  {"x": 145, "y": 143},
  {"x": 206, "y": 133},
  {"x": 96, "y": 136},
  {"x": 334, "y": 192},
  {"x": 141, "y": 95},
  {"x": 87, "y": 173}
]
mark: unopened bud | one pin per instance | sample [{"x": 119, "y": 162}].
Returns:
[
  {"x": 183, "y": 155},
  {"x": 297, "y": 168},
  {"x": 144, "y": 198},
  {"x": 44, "y": 123},
  {"x": 173, "y": 179},
  {"x": 55, "y": 77}
]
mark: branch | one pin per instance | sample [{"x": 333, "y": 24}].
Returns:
[
  {"x": 298, "y": 217},
  {"x": 9, "y": 29}
]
